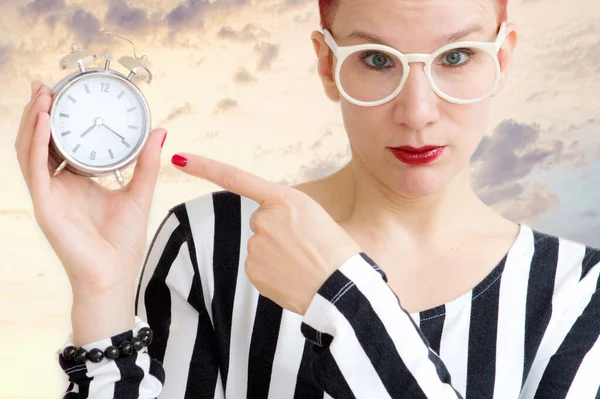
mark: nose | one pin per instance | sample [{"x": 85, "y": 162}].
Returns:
[{"x": 417, "y": 104}]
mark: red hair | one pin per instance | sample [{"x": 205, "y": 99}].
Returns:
[{"x": 327, "y": 8}]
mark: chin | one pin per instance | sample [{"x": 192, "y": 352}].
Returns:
[{"x": 417, "y": 182}]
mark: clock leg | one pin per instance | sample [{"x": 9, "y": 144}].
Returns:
[
  {"x": 119, "y": 178},
  {"x": 60, "y": 167}
]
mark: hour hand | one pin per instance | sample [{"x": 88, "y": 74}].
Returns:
[{"x": 89, "y": 129}]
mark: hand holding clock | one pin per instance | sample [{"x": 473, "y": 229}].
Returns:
[{"x": 99, "y": 235}]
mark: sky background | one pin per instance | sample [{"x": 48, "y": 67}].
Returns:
[{"x": 236, "y": 80}]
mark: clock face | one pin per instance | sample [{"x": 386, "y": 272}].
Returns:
[{"x": 99, "y": 120}]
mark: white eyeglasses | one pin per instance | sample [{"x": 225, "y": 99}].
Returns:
[{"x": 461, "y": 72}]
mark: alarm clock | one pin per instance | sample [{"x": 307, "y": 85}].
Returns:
[{"x": 99, "y": 118}]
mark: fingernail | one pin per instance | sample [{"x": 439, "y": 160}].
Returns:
[
  {"x": 179, "y": 160},
  {"x": 163, "y": 140}
]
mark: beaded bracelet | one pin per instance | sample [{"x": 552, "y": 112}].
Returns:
[{"x": 125, "y": 348}]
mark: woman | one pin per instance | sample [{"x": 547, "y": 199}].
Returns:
[{"x": 389, "y": 278}]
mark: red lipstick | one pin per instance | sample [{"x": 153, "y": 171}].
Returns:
[{"x": 417, "y": 156}]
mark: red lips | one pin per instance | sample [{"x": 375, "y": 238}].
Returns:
[{"x": 417, "y": 156}]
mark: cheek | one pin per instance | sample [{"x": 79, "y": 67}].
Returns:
[{"x": 366, "y": 126}]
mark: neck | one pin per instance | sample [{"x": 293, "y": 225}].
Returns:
[{"x": 369, "y": 203}]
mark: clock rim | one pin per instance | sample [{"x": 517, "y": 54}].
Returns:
[{"x": 72, "y": 163}]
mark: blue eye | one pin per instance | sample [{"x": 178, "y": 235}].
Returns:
[
  {"x": 376, "y": 60},
  {"x": 456, "y": 57}
]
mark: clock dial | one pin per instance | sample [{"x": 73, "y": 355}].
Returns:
[{"x": 99, "y": 120}]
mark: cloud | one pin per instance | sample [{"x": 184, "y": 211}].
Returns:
[
  {"x": 514, "y": 150},
  {"x": 225, "y": 104},
  {"x": 179, "y": 112},
  {"x": 191, "y": 13},
  {"x": 84, "y": 25},
  {"x": 249, "y": 33},
  {"x": 284, "y": 6},
  {"x": 242, "y": 76},
  {"x": 267, "y": 54},
  {"x": 38, "y": 7},
  {"x": 131, "y": 19}
]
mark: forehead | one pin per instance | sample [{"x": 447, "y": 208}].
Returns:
[{"x": 414, "y": 25}]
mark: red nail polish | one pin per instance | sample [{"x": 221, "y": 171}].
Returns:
[
  {"x": 163, "y": 140},
  {"x": 179, "y": 160}
]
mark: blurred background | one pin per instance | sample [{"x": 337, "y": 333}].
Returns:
[{"x": 236, "y": 80}]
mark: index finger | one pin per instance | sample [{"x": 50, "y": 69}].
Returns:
[{"x": 231, "y": 178}]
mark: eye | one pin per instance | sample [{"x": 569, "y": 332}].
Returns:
[
  {"x": 456, "y": 57},
  {"x": 377, "y": 60}
]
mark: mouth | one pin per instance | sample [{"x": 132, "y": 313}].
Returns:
[{"x": 417, "y": 156}]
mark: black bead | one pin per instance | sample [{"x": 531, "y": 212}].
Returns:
[
  {"x": 146, "y": 331},
  {"x": 68, "y": 352},
  {"x": 95, "y": 355},
  {"x": 145, "y": 338},
  {"x": 80, "y": 356},
  {"x": 137, "y": 344},
  {"x": 112, "y": 352},
  {"x": 126, "y": 348}
]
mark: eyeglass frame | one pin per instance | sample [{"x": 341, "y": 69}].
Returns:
[{"x": 342, "y": 52}]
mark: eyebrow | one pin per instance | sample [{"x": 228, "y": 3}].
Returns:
[{"x": 442, "y": 40}]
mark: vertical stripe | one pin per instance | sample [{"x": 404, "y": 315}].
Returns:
[
  {"x": 587, "y": 382},
  {"x": 307, "y": 385},
  {"x": 150, "y": 385},
  {"x": 591, "y": 259},
  {"x": 184, "y": 322},
  {"x": 244, "y": 308},
  {"x": 569, "y": 263},
  {"x": 540, "y": 290},
  {"x": 454, "y": 345},
  {"x": 564, "y": 364},
  {"x": 511, "y": 318},
  {"x": 416, "y": 317},
  {"x": 202, "y": 225},
  {"x": 431, "y": 324},
  {"x": 202, "y": 339},
  {"x": 263, "y": 344},
  {"x": 342, "y": 389},
  {"x": 159, "y": 242},
  {"x": 481, "y": 366},
  {"x": 131, "y": 375},
  {"x": 287, "y": 359},
  {"x": 226, "y": 258},
  {"x": 203, "y": 380},
  {"x": 157, "y": 296}
]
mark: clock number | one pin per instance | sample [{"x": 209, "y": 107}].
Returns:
[
  {"x": 93, "y": 155},
  {"x": 105, "y": 87}
]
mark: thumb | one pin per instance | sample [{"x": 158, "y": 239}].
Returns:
[{"x": 142, "y": 185}]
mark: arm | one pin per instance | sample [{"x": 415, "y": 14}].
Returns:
[
  {"x": 370, "y": 345},
  {"x": 170, "y": 301}
]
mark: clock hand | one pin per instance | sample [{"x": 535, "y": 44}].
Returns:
[
  {"x": 89, "y": 129},
  {"x": 112, "y": 131}
]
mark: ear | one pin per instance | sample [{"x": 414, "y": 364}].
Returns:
[
  {"x": 325, "y": 65},
  {"x": 505, "y": 56}
]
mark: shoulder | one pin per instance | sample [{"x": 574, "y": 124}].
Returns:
[
  {"x": 564, "y": 249},
  {"x": 569, "y": 267}
]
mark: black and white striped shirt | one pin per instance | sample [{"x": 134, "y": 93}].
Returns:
[{"x": 529, "y": 330}]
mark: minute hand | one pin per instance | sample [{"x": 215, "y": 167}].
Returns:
[{"x": 112, "y": 131}]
